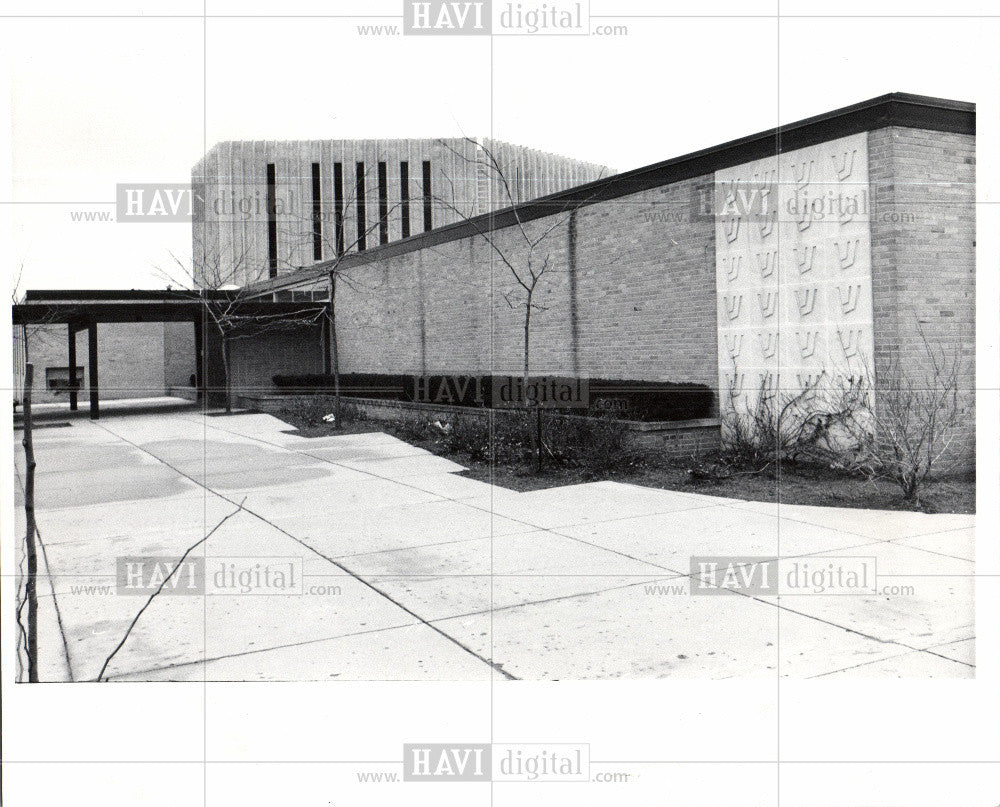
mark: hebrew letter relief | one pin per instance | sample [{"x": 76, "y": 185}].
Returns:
[{"x": 805, "y": 257}]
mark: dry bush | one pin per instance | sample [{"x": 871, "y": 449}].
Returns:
[
  {"x": 776, "y": 426},
  {"x": 914, "y": 430},
  {"x": 306, "y": 410},
  {"x": 906, "y": 427},
  {"x": 599, "y": 445}
]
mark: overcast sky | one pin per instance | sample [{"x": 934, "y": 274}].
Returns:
[{"x": 99, "y": 101}]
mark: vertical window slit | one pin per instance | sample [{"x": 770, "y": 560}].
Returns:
[
  {"x": 428, "y": 223},
  {"x": 338, "y": 206},
  {"x": 359, "y": 190},
  {"x": 404, "y": 197},
  {"x": 272, "y": 223},
  {"x": 383, "y": 205},
  {"x": 317, "y": 215}
]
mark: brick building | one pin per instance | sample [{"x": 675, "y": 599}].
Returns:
[
  {"x": 865, "y": 254},
  {"x": 137, "y": 360}
]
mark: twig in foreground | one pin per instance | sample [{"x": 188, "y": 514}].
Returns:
[{"x": 152, "y": 596}]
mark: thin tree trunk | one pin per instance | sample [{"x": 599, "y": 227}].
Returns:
[
  {"x": 334, "y": 351},
  {"x": 527, "y": 336},
  {"x": 30, "y": 590},
  {"x": 537, "y": 438},
  {"x": 225, "y": 370}
]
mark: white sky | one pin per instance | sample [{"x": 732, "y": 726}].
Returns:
[{"x": 102, "y": 100}]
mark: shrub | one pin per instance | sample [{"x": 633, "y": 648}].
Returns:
[
  {"x": 814, "y": 423},
  {"x": 307, "y": 411},
  {"x": 358, "y": 385},
  {"x": 650, "y": 400},
  {"x": 410, "y": 430},
  {"x": 599, "y": 445},
  {"x": 903, "y": 429},
  {"x": 914, "y": 427},
  {"x": 626, "y": 399}
]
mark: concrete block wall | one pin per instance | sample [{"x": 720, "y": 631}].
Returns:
[
  {"x": 530, "y": 174},
  {"x": 233, "y": 178},
  {"x": 794, "y": 279}
]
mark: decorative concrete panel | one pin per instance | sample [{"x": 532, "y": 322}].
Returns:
[{"x": 793, "y": 272}]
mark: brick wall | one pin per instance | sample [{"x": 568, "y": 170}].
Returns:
[
  {"x": 254, "y": 361},
  {"x": 130, "y": 359},
  {"x": 47, "y": 347},
  {"x": 178, "y": 353},
  {"x": 630, "y": 288},
  {"x": 629, "y": 292},
  {"x": 923, "y": 258},
  {"x": 681, "y": 439}
]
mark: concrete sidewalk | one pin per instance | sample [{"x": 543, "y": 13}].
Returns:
[
  {"x": 60, "y": 410},
  {"x": 412, "y": 572}
]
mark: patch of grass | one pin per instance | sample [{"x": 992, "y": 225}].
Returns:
[
  {"x": 307, "y": 418},
  {"x": 798, "y": 485},
  {"x": 511, "y": 465}
]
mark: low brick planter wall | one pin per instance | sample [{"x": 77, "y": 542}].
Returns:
[
  {"x": 265, "y": 402},
  {"x": 188, "y": 393},
  {"x": 677, "y": 438}
]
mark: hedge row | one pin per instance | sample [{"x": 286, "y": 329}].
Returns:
[{"x": 625, "y": 399}]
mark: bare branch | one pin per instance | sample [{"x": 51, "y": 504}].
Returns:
[{"x": 188, "y": 551}]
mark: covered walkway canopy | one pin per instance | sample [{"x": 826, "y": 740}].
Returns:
[{"x": 83, "y": 310}]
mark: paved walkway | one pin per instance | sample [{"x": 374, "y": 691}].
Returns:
[
  {"x": 413, "y": 572},
  {"x": 59, "y": 410}
]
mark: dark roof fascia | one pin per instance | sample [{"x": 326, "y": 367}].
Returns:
[
  {"x": 85, "y": 311},
  {"x": 136, "y": 295},
  {"x": 893, "y": 109}
]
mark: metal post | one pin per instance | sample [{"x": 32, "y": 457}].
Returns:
[
  {"x": 200, "y": 358},
  {"x": 74, "y": 395},
  {"x": 325, "y": 323},
  {"x": 92, "y": 356}
]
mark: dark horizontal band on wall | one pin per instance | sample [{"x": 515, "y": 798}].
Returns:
[
  {"x": 894, "y": 109},
  {"x": 84, "y": 310}
]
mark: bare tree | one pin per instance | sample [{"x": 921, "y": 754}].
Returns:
[
  {"x": 527, "y": 255},
  {"x": 30, "y": 592},
  {"x": 358, "y": 279},
  {"x": 773, "y": 425},
  {"x": 27, "y": 582},
  {"x": 37, "y": 331},
  {"x": 233, "y": 309},
  {"x": 527, "y": 259},
  {"x": 34, "y": 327}
]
